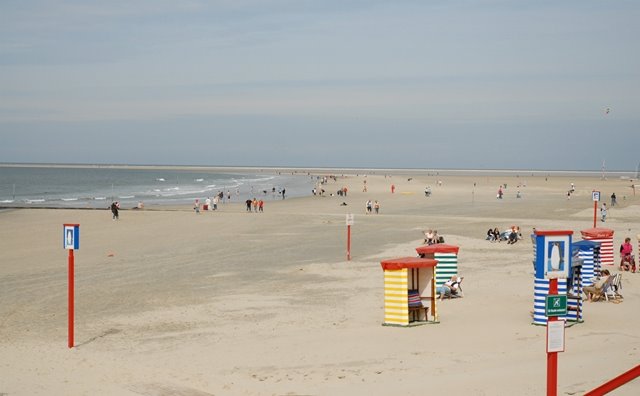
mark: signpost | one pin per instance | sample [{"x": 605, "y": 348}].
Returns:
[
  {"x": 596, "y": 197},
  {"x": 556, "y": 305},
  {"x": 71, "y": 242},
  {"x": 350, "y": 221}
]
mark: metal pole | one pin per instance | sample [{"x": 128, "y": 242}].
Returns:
[
  {"x": 348, "y": 243},
  {"x": 552, "y": 357},
  {"x": 71, "y": 298},
  {"x": 595, "y": 212}
]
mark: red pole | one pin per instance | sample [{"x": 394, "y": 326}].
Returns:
[
  {"x": 595, "y": 211},
  {"x": 552, "y": 357},
  {"x": 71, "y": 298},
  {"x": 348, "y": 243},
  {"x": 616, "y": 382}
]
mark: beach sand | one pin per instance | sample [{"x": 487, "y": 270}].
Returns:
[{"x": 170, "y": 302}]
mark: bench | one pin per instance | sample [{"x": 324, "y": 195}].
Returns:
[{"x": 414, "y": 313}]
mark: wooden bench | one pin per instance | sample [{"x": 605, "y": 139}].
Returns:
[{"x": 414, "y": 313}]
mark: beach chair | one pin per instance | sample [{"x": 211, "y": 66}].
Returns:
[{"x": 613, "y": 288}]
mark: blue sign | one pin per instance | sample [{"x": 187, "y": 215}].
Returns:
[{"x": 71, "y": 236}]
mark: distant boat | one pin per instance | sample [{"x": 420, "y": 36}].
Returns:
[{"x": 160, "y": 179}]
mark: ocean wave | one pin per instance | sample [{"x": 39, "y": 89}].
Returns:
[
  {"x": 35, "y": 201},
  {"x": 69, "y": 199},
  {"x": 7, "y": 201}
]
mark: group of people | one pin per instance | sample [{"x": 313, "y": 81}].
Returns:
[
  {"x": 511, "y": 235},
  {"x": 258, "y": 205},
  {"x": 371, "y": 206},
  {"x": 431, "y": 237}
]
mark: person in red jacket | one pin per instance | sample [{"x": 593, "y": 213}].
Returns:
[{"x": 627, "y": 261}]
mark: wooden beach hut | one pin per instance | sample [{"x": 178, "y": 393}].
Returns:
[
  {"x": 409, "y": 291},
  {"x": 605, "y": 237},
  {"x": 552, "y": 260},
  {"x": 447, "y": 257}
]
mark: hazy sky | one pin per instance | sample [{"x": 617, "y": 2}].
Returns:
[{"x": 421, "y": 84}]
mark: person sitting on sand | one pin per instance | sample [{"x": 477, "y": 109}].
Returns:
[
  {"x": 450, "y": 288},
  {"x": 496, "y": 234},
  {"x": 490, "y": 236},
  {"x": 437, "y": 238},
  {"x": 428, "y": 237},
  {"x": 514, "y": 235},
  {"x": 594, "y": 291}
]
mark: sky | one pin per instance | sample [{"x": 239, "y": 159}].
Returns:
[{"x": 347, "y": 83}]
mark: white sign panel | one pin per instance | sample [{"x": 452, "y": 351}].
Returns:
[
  {"x": 595, "y": 195},
  {"x": 71, "y": 236},
  {"x": 556, "y": 257},
  {"x": 350, "y": 219},
  {"x": 555, "y": 336}
]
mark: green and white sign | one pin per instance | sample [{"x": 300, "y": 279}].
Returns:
[{"x": 555, "y": 305}]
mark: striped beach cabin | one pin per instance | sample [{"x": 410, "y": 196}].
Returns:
[
  {"x": 589, "y": 253},
  {"x": 550, "y": 264},
  {"x": 447, "y": 256},
  {"x": 605, "y": 237},
  {"x": 541, "y": 290},
  {"x": 401, "y": 276}
]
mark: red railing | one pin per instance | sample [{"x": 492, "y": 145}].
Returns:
[{"x": 616, "y": 382}]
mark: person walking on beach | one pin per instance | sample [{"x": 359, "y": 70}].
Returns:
[
  {"x": 261, "y": 205},
  {"x": 114, "y": 210},
  {"x": 367, "y": 207},
  {"x": 196, "y": 206},
  {"x": 603, "y": 212},
  {"x": 376, "y": 206},
  {"x": 283, "y": 192},
  {"x": 248, "y": 203},
  {"x": 613, "y": 200}
]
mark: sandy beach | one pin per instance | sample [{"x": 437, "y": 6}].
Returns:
[{"x": 170, "y": 302}]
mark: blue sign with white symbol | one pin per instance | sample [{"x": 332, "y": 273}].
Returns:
[{"x": 71, "y": 236}]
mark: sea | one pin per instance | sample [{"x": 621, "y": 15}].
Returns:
[{"x": 96, "y": 187}]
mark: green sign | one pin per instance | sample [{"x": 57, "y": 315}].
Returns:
[{"x": 555, "y": 305}]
